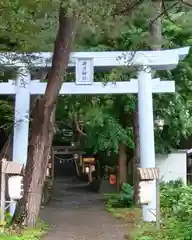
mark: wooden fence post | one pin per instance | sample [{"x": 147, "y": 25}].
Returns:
[
  {"x": 3, "y": 163},
  {"x": 150, "y": 174},
  {"x": 158, "y": 207},
  {"x": 7, "y": 167}
]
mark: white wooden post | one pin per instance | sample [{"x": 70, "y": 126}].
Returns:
[
  {"x": 146, "y": 131},
  {"x": 21, "y": 120},
  {"x": 8, "y": 167},
  {"x": 3, "y": 162}
]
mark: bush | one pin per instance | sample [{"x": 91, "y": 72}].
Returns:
[
  {"x": 122, "y": 199},
  {"x": 176, "y": 205},
  {"x": 176, "y": 213},
  {"x": 11, "y": 233}
]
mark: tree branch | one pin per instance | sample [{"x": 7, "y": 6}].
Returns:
[
  {"x": 129, "y": 8},
  {"x": 79, "y": 130},
  {"x": 165, "y": 11},
  {"x": 186, "y": 3}
]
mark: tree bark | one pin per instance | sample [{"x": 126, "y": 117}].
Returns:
[
  {"x": 155, "y": 27},
  {"x": 7, "y": 149},
  {"x": 42, "y": 128},
  {"x": 136, "y": 158},
  {"x": 122, "y": 165}
]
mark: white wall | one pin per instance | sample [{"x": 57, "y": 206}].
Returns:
[{"x": 172, "y": 166}]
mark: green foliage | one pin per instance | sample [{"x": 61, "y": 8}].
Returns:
[
  {"x": 174, "y": 109},
  {"x": 176, "y": 200},
  {"x": 6, "y": 115},
  {"x": 122, "y": 199},
  {"x": 26, "y": 234},
  {"x": 4, "y": 237},
  {"x": 28, "y": 25},
  {"x": 104, "y": 133},
  {"x": 176, "y": 206},
  {"x": 176, "y": 213}
]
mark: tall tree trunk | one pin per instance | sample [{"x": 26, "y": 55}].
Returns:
[
  {"x": 122, "y": 170},
  {"x": 122, "y": 165},
  {"x": 43, "y": 121},
  {"x": 7, "y": 149},
  {"x": 136, "y": 158},
  {"x": 155, "y": 29}
]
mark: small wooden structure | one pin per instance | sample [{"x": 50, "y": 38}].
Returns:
[
  {"x": 151, "y": 174},
  {"x": 148, "y": 174},
  {"x": 9, "y": 168}
]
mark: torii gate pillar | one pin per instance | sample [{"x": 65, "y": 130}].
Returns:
[
  {"x": 144, "y": 86},
  {"x": 21, "y": 119},
  {"x": 146, "y": 132}
]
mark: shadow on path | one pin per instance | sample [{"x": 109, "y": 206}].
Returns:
[{"x": 77, "y": 213}]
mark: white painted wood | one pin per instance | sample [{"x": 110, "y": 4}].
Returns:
[
  {"x": 11, "y": 167},
  {"x": 100, "y": 88},
  {"x": 164, "y": 59},
  {"x": 3, "y": 188},
  {"x": 21, "y": 119},
  {"x": 15, "y": 187},
  {"x": 145, "y": 190},
  {"x": 37, "y": 88},
  {"x": 84, "y": 71},
  {"x": 146, "y": 132},
  {"x": 7, "y": 88}
]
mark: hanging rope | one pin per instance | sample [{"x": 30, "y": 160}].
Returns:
[{"x": 64, "y": 159}]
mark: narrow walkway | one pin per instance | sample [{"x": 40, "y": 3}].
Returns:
[{"x": 77, "y": 214}]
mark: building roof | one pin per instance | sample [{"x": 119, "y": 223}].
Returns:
[{"x": 189, "y": 152}]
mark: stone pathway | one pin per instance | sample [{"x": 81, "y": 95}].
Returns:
[{"x": 77, "y": 214}]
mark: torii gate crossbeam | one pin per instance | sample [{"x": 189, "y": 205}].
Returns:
[{"x": 84, "y": 63}]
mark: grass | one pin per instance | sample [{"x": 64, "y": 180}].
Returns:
[
  {"x": 135, "y": 227},
  {"x": 128, "y": 214},
  {"x": 26, "y": 234},
  {"x": 131, "y": 216}
]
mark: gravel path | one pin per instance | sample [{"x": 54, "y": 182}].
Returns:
[{"x": 77, "y": 214}]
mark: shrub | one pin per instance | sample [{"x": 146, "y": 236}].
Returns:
[
  {"x": 11, "y": 233},
  {"x": 121, "y": 199},
  {"x": 176, "y": 213}
]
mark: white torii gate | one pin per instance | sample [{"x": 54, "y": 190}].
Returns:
[{"x": 84, "y": 62}]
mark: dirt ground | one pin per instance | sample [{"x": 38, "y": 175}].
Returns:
[{"x": 77, "y": 213}]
